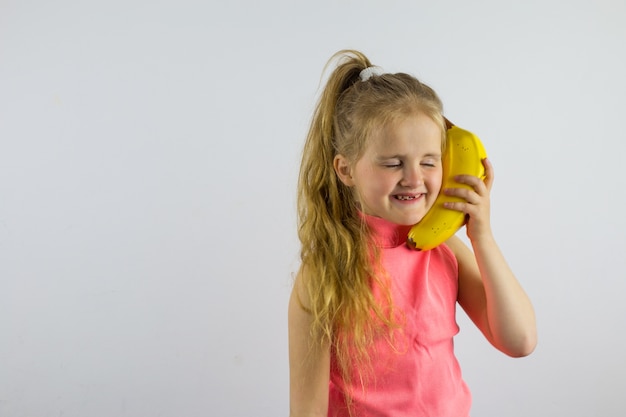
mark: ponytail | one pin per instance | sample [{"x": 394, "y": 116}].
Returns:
[{"x": 339, "y": 262}]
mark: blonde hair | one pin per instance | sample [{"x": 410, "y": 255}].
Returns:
[{"x": 337, "y": 253}]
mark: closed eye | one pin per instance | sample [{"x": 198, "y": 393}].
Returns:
[
  {"x": 430, "y": 162},
  {"x": 391, "y": 164}
]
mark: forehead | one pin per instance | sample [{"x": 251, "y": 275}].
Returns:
[{"x": 415, "y": 132}]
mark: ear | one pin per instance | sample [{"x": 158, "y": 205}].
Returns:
[{"x": 343, "y": 170}]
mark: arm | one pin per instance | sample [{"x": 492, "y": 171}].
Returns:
[
  {"x": 309, "y": 362},
  {"x": 488, "y": 290}
]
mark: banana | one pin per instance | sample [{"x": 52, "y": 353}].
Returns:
[{"x": 464, "y": 154}]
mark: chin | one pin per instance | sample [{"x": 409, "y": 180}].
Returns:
[
  {"x": 416, "y": 219},
  {"x": 408, "y": 220}
]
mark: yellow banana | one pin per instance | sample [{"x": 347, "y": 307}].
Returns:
[{"x": 463, "y": 156}]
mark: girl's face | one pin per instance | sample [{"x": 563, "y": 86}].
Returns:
[{"x": 399, "y": 175}]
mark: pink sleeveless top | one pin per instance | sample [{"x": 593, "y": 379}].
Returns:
[{"x": 419, "y": 375}]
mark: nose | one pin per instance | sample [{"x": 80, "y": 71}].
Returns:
[{"x": 412, "y": 177}]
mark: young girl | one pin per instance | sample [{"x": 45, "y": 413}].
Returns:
[{"x": 371, "y": 321}]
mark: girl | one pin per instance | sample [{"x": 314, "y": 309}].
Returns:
[{"x": 371, "y": 322}]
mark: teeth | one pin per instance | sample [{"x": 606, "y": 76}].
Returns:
[{"x": 405, "y": 197}]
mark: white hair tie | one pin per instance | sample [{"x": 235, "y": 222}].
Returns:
[{"x": 368, "y": 72}]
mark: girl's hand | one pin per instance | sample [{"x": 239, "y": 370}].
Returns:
[{"x": 477, "y": 201}]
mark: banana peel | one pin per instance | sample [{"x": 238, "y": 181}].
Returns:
[{"x": 463, "y": 156}]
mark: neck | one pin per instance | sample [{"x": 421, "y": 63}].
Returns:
[{"x": 386, "y": 233}]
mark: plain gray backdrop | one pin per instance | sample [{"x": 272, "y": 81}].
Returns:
[{"x": 148, "y": 160}]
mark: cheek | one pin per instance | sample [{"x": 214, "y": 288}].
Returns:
[
  {"x": 373, "y": 180},
  {"x": 434, "y": 181},
  {"x": 384, "y": 183}
]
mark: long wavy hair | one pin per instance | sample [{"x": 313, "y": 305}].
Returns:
[{"x": 339, "y": 263}]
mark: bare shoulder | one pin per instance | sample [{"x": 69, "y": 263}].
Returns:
[
  {"x": 309, "y": 361},
  {"x": 462, "y": 252},
  {"x": 455, "y": 244},
  {"x": 471, "y": 289},
  {"x": 299, "y": 294}
]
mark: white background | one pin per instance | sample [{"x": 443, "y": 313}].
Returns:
[{"x": 148, "y": 160}]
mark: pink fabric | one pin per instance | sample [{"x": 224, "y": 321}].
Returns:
[{"x": 421, "y": 376}]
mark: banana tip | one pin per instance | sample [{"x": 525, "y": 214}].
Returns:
[{"x": 411, "y": 243}]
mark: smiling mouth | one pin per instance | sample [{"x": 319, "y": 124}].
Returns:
[{"x": 407, "y": 197}]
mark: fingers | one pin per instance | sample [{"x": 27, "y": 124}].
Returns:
[
  {"x": 469, "y": 195},
  {"x": 474, "y": 194},
  {"x": 469, "y": 200},
  {"x": 474, "y": 183},
  {"x": 489, "y": 174},
  {"x": 480, "y": 186},
  {"x": 459, "y": 206},
  {"x": 472, "y": 197}
]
